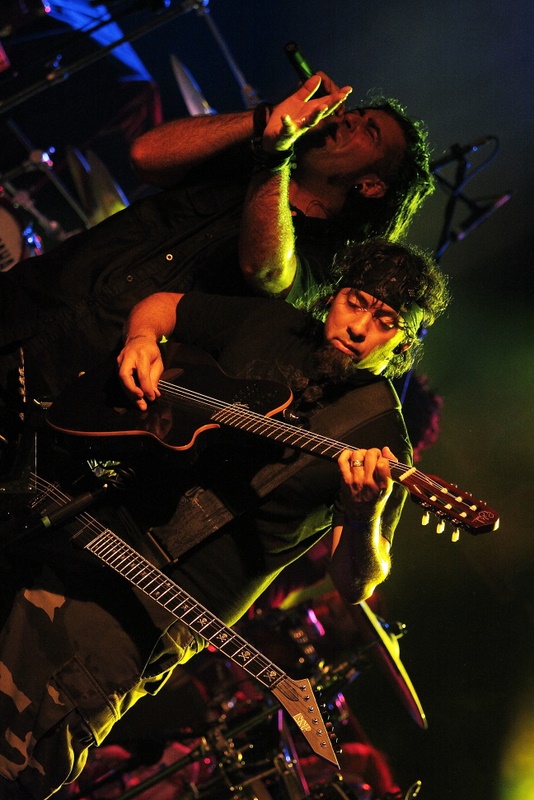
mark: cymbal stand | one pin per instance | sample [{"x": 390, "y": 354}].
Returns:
[
  {"x": 287, "y": 763},
  {"x": 38, "y": 161},
  {"x": 248, "y": 93}
]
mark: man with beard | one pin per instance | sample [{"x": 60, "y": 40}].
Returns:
[
  {"x": 336, "y": 359},
  {"x": 240, "y": 513},
  {"x": 322, "y": 175}
]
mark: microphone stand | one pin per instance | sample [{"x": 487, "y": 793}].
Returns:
[
  {"x": 455, "y": 188},
  {"x": 447, "y": 235},
  {"x": 445, "y": 238}
]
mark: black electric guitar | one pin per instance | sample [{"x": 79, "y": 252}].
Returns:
[
  {"x": 85, "y": 531},
  {"x": 197, "y": 396}
]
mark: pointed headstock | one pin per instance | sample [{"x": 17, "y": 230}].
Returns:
[{"x": 299, "y": 701}]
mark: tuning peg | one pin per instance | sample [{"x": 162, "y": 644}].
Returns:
[
  {"x": 455, "y": 535},
  {"x": 440, "y": 527},
  {"x": 425, "y": 519}
]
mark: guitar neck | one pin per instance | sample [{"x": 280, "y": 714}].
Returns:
[
  {"x": 444, "y": 500},
  {"x": 91, "y": 406},
  {"x": 296, "y": 696},
  {"x": 235, "y": 416},
  {"x": 110, "y": 549}
]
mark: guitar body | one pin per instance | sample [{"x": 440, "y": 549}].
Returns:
[{"x": 96, "y": 405}]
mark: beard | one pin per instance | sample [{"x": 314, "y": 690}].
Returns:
[
  {"x": 331, "y": 371},
  {"x": 333, "y": 366}
]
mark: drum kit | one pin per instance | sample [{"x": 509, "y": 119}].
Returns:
[
  {"x": 236, "y": 742},
  {"x": 90, "y": 192}
]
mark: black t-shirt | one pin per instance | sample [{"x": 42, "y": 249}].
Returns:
[{"x": 263, "y": 339}]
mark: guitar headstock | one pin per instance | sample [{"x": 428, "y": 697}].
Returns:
[
  {"x": 297, "y": 697},
  {"x": 446, "y": 502}
]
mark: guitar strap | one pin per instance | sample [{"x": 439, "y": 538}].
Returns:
[{"x": 201, "y": 512}]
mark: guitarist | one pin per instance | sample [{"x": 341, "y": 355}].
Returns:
[{"x": 361, "y": 332}]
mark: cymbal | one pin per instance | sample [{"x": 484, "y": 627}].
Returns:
[
  {"x": 196, "y": 103},
  {"x": 99, "y": 194},
  {"x": 312, "y": 592},
  {"x": 385, "y": 651},
  {"x": 383, "y": 647}
]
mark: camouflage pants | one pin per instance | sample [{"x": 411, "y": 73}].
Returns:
[{"x": 69, "y": 669}]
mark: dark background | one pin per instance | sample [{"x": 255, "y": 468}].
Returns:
[{"x": 465, "y": 67}]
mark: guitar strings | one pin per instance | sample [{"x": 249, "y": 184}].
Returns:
[{"x": 177, "y": 392}]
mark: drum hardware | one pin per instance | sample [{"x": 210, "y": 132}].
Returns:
[
  {"x": 413, "y": 791},
  {"x": 287, "y": 763},
  {"x": 60, "y": 75},
  {"x": 149, "y": 754},
  {"x": 379, "y": 640},
  {"x": 40, "y": 161},
  {"x": 338, "y": 789},
  {"x": 32, "y": 240},
  {"x": 248, "y": 93},
  {"x": 22, "y": 199},
  {"x": 216, "y": 745},
  {"x": 244, "y": 767}
]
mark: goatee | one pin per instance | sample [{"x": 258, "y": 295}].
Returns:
[{"x": 331, "y": 371}]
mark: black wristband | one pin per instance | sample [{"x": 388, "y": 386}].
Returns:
[
  {"x": 273, "y": 162},
  {"x": 260, "y": 118}
]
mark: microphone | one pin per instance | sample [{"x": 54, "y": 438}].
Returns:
[
  {"x": 297, "y": 61},
  {"x": 477, "y": 217},
  {"x": 458, "y": 151}
]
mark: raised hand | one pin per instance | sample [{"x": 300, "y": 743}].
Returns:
[{"x": 301, "y": 111}]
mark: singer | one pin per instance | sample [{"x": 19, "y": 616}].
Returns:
[{"x": 321, "y": 175}]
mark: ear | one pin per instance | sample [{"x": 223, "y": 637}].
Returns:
[
  {"x": 371, "y": 186},
  {"x": 401, "y": 348}
]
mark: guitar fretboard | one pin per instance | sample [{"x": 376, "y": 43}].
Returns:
[
  {"x": 282, "y": 432},
  {"x": 140, "y": 572}
]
